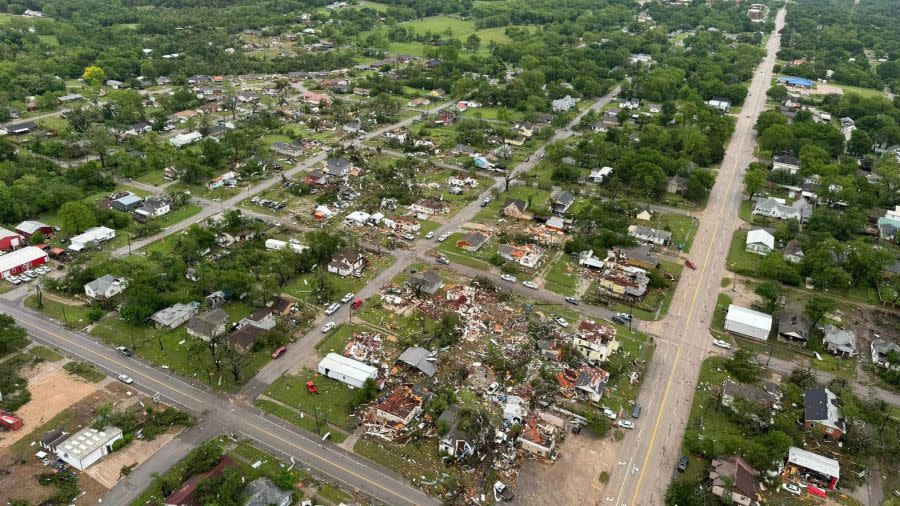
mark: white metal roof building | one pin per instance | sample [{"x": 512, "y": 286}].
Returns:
[
  {"x": 748, "y": 323},
  {"x": 346, "y": 370},
  {"x": 87, "y": 446},
  {"x": 824, "y": 466},
  {"x": 21, "y": 260},
  {"x": 94, "y": 235}
]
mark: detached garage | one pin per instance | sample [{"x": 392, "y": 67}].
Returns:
[
  {"x": 748, "y": 323},
  {"x": 346, "y": 370},
  {"x": 21, "y": 260}
]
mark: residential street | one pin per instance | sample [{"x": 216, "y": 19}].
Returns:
[{"x": 648, "y": 455}]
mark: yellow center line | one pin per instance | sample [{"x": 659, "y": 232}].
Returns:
[{"x": 725, "y": 200}]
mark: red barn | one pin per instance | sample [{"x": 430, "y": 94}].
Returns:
[
  {"x": 21, "y": 260},
  {"x": 30, "y": 227},
  {"x": 10, "y": 240}
]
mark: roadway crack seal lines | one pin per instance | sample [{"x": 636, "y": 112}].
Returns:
[{"x": 728, "y": 190}]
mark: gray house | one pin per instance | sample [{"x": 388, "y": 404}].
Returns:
[
  {"x": 839, "y": 341},
  {"x": 455, "y": 443},
  {"x": 428, "y": 282},
  {"x": 262, "y": 492},
  {"x": 174, "y": 316},
  {"x": 208, "y": 325}
]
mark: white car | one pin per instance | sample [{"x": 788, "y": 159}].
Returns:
[
  {"x": 443, "y": 237},
  {"x": 509, "y": 277},
  {"x": 429, "y": 235},
  {"x": 332, "y": 309},
  {"x": 126, "y": 379},
  {"x": 561, "y": 321},
  {"x": 609, "y": 413},
  {"x": 626, "y": 424},
  {"x": 790, "y": 487},
  {"x": 327, "y": 327},
  {"x": 721, "y": 344},
  {"x": 347, "y": 298},
  {"x": 529, "y": 284}
]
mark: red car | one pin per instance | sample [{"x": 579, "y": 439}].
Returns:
[
  {"x": 690, "y": 264},
  {"x": 312, "y": 387},
  {"x": 279, "y": 352},
  {"x": 356, "y": 304}
]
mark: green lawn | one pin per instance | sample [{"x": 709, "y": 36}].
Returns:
[
  {"x": 416, "y": 461},
  {"x": 477, "y": 260},
  {"x": 683, "y": 227},
  {"x": 408, "y": 325},
  {"x": 176, "y": 350},
  {"x": 333, "y": 400},
  {"x": 558, "y": 280},
  {"x": 865, "y": 92},
  {"x": 337, "y": 339},
  {"x": 85, "y": 371},
  {"x": 176, "y": 216},
  {"x": 44, "y": 353},
  {"x": 71, "y": 316},
  {"x": 154, "y": 177},
  {"x": 302, "y": 287},
  {"x": 739, "y": 259}
]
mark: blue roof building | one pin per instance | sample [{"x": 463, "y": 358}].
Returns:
[{"x": 797, "y": 81}]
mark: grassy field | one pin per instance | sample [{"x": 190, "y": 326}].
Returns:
[
  {"x": 44, "y": 353},
  {"x": 557, "y": 279},
  {"x": 739, "y": 259},
  {"x": 477, "y": 259},
  {"x": 866, "y": 92},
  {"x": 302, "y": 287},
  {"x": 71, "y": 316},
  {"x": 85, "y": 371},
  {"x": 337, "y": 339},
  {"x": 415, "y": 460},
  {"x": 333, "y": 400},
  {"x": 154, "y": 177}
]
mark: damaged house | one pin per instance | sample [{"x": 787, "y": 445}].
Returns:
[
  {"x": 456, "y": 442},
  {"x": 595, "y": 341},
  {"x": 399, "y": 408}
]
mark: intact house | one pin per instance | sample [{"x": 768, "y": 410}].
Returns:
[
  {"x": 399, "y": 408},
  {"x": 347, "y": 262},
  {"x": 760, "y": 242},
  {"x": 126, "y": 203},
  {"x": 822, "y": 413},
  {"x": 598, "y": 175},
  {"x": 561, "y": 201},
  {"x": 515, "y": 208},
  {"x": 563, "y": 104},
  {"x": 473, "y": 241},
  {"x": 800, "y": 210},
  {"x": 91, "y": 238},
  {"x": 209, "y": 325},
  {"x": 427, "y": 282},
  {"x": 153, "y": 207},
  {"x": 733, "y": 476},
  {"x": 429, "y": 207},
  {"x": 881, "y": 354},
  {"x": 650, "y": 235},
  {"x": 244, "y": 338},
  {"x": 595, "y": 341},
  {"x": 639, "y": 256},
  {"x": 455, "y": 442},
  {"x": 527, "y": 256},
  {"x": 838, "y": 341},
  {"x": 88, "y": 446},
  {"x": 174, "y": 316},
  {"x": 748, "y": 323},
  {"x": 105, "y": 287},
  {"x": 786, "y": 162},
  {"x": 346, "y": 370}
]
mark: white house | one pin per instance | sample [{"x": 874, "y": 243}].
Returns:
[
  {"x": 346, "y": 370},
  {"x": 153, "y": 207},
  {"x": 357, "y": 218},
  {"x": 650, "y": 235},
  {"x": 182, "y": 140},
  {"x": 91, "y": 237},
  {"x": 87, "y": 446},
  {"x": 598, "y": 175},
  {"x": 105, "y": 287},
  {"x": 721, "y": 104},
  {"x": 174, "y": 316},
  {"x": 748, "y": 323},
  {"x": 563, "y": 104},
  {"x": 346, "y": 262},
  {"x": 760, "y": 242},
  {"x": 293, "y": 244},
  {"x": 772, "y": 208},
  {"x": 786, "y": 162}
]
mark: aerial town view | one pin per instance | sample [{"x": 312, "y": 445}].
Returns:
[{"x": 449, "y": 252}]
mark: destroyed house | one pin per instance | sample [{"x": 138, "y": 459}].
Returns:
[
  {"x": 400, "y": 407},
  {"x": 536, "y": 438},
  {"x": 733, "y": 477},
  {"x": 455, "y": 442},
  {"x": 595, "y": 341},
  {"x": 419, "y": 358}
]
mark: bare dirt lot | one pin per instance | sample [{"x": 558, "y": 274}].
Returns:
[
  {"x": 574, "y": 476},
  {"x": 52, "y": 390}
]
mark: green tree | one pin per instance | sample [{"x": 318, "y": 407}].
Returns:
[
  {"x": 12, "y": 337},
  {"x": 776, "y": 138},
  {"x": 754, "y": 179},
  {"x": 473, "y": 42},
  {"x": 100, "y": 139},
  {"x": 76, "y": 217},
  {"x": 816, "y": 309},
  {"x": 771, "y": 292},
  {"x": 94, "y": 75}
]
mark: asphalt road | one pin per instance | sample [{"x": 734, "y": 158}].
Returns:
[
  {"x": 219, "y": 414},
  {"x": 648, "y": 454}
]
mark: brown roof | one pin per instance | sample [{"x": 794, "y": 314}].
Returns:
[
  {"x": 282, "y": 305},
  {"x": 246, "y": 336},
  {"x": 400, "y": 403},
  {"x": 184, "y": 496}
]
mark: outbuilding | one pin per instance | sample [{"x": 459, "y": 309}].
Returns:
[
  {"x": 10, "y": 240},
  {"x": 748, "y": 323},
  {"x": 87, "y": 446},
  {"x": 21, "y": 260},
  {"x": 30, "y": 227},
  {"x": 813, "y": 468},
  {"x": 346, "y": 370}
]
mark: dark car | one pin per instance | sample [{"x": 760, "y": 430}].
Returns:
[
  {"x": 576, "y": 429},
  {"x": 636, "y": 412},
  {"x": 682, "y": 464},
  {"x": 124, "y": 351}
]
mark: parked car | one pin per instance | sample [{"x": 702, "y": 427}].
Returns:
[
  {"x": 529, "y": 284},
  {"x": 683, "y": 464},
  {"x": 502, "y": 493},
  {"x": 792, "y": 488},
  {"x": 443, "y": 237},
  {"x": 409, "y": 237},
  {"x": 330, "y": 310},
  {"x": 561, "y": 321},
  {"x": 443, "y": 260},
  {"x": 279, "y": 352},
  {"x": 492, "y": 388},
  {"x": 124, "y": 351},
  {"x": 327, "y": 327},
  {"x": 721, "y": 344},
  {"x": 347, "y": 298},
  {"x": 636, "y": 411},
  {"x": 509, "y": 277},
  {"x": 429, "y": 235},
  {"x": 356, "y": 304},
  {"x": 609, "y": 413},
  {"x": 572, "y": 300},
  {"x": 311, "y": 387},
  {"x": 690, "y": 265},
  {"x": 625, "y": 424},
  {"x": 125, "y": 379}
]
